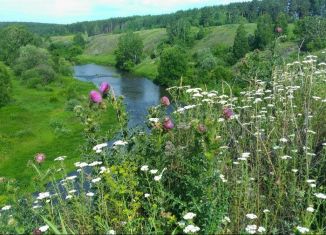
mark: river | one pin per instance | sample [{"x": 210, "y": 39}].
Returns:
[{"x": 139, "y": 93}]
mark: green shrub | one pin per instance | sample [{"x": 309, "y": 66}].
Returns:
[
  {"x": 71, "y": 104},
  {"x": 5, "y": 85}
]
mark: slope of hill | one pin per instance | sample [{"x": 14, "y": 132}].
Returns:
[{"x": 100, "y": 48}]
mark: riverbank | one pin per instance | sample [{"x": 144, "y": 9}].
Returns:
[
  {"x": 41, "y": 120},
  {"x": 147, "y": 68}
]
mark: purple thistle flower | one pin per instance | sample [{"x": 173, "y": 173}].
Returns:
[
  {"x": 104, "y": 88},
  {"x": 168, "y": 124},
  {"x": 165, "y": 101},
  {"x": 228, "y": 113},
  {"x": 95, "y": 96},
  {"x": 201, "y": 128},
  {"x": 39, "y": 158}
]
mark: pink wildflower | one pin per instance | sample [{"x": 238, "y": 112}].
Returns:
[
  {"x": 168, "y": 124},
  {"x": 279, "y": 30},
  {"x": 104, "y": 88},
  {"x": 165, "y": 101},
  {"x": 95, "y": 96},
  {"x": 39, "y": 158},
  {"x": 228, "y": 113},
  {"x": 201, "y": 128}
]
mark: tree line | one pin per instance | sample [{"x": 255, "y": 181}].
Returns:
[{"x": 232, "y": 13}]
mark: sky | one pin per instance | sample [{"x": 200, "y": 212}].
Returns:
[{"x": 70, "y": 11}]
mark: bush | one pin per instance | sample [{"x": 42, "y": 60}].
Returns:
[
  {"x": 5, "y": 85},
  {"x": 32, "y": 82},
  {"x": 71, "y": 104},
  {"x": 173, "y": 65}
]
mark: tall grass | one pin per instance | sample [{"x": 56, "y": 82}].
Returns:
[{"x": 248, "y": 164}]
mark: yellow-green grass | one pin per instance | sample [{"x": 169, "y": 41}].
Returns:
[
  {"x": 25, "y": 129},
  {"x": 147, "y": 68},
  {"x": 104, "y": 44},
  {"x": 66, "y": 38},
  {"x": 224, "y": 34}
]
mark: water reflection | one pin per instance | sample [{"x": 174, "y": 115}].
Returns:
[{"x": 140, "y": 93}]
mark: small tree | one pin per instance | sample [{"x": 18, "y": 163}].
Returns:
[
  {"x": 281, "y": 23},
  {"x": 312, "y": 31},
  {"x": 12, "y": 38},
  {"x": 5, "y": 85},
  {"x": 241, "y": 45},
  {"x": 179, "y": 32},
  {"x": 264, "y": 31},
  {"x": 79, "y": 40},
  {"x": 129, "y": 52},
  {"x": 173, "y": 65}
]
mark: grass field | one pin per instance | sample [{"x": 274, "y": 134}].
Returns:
[{"x": 37, "y": 121}]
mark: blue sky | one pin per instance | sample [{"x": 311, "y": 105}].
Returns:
[{"x": 69, "y": 11}]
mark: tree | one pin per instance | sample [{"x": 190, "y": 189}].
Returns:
[
  {"x": 129, "y": 51},
  {"x": 35, "y": 63},
  {"x": 12, "y": 38},
  {"x": 31, "y": 56},
  {"x": 5, "y": 85},
  {"x": 264, "y": 31},
  {"x": 312, "y": 31},
  {"x": 79, "y": 40},
  {"x": 173, "y": 65},
  {"x": 179, "y": 32},
  {"x": 282, "y": 23},
  {"x": 240, "y": 45}
]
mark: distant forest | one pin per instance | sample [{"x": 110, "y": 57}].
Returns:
[{"x": 232, "y": 13}]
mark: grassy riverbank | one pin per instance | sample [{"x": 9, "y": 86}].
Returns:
[{"x": 38, "y": 120}]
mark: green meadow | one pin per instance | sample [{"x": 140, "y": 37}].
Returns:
[{"x": 38, "y": 120}]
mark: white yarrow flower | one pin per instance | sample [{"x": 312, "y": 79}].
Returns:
[
  {"x": 320, "y": 195},
  {"x": 43, "y": 228},
  {"x": 251, "y": 229},
  {"x": 5, "y": 208},
  {"x": 303, "y": 229},
  {"x": 251, "y": 216},
  {"x": 261, "y": 229},
  {"x": 147, "y": 195},
  {"x": 191, "y": 229},
  {"x": 153, "y": 171},
  {"x": 189, "y": 216},
  {"x": 144, "y": 168},
  {"x": 98, "y": 179},
  {"x": 90, "y": 194},
  {"x": 310, "y": 209}
]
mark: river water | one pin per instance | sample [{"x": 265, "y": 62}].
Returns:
[{"x": 139, "y": 93}]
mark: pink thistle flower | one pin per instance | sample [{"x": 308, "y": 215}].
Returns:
[
  {"x": 104, "y": 88},
  {"x": 95, "y": 96},
  {"x": 201, "y": 128},
  {"x": 165, "y": 101},
  {"x": 39, "y": 158},
  {"x": 228, "y": 113},
  {"x": 168, "y": 124},
  {"x": 279, "y": 30}
]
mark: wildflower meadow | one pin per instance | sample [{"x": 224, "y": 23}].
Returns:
[{"x": 219, "y": 163}]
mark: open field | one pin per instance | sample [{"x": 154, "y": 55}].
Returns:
[{"x": 37, "y": 121}]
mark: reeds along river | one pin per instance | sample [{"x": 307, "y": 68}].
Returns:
[{"x": 139, "y": 93}]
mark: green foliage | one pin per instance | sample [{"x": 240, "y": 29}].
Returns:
[
  {"x": 173, "y": 65},
  {"x": 30, "y": 57},
  {"x": 79, "y": 40},
  {"x": 12, "y": 38},
  {"x": 5, "y": 85},
  {"x": 282, "y": 22},
  {"x": 241, "y": 45},
  {"x": 179, "y": 32},
  {"x": 129, "y": 51},
  {"x": 264, "y": 32},
  {"x": 67, "y": 50},
  {"x": 312, "y": 31}
]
